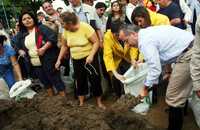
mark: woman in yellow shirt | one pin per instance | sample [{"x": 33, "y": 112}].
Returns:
[
  {"x": 118, "y": 56},
  {"x": 144, "y": 17},
  {"x": 83, "y": 43}
]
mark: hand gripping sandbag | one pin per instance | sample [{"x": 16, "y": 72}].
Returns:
[
  {"x": 195, "y": 105},
  {"x": 133, "y": 85},
  {"x": 135, "y": 79},
  {"x": 21, "y": 90}
]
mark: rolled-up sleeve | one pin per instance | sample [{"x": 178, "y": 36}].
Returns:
[
  {"x": 195, "y": 61},
  {"x": 152, "y": 58}
]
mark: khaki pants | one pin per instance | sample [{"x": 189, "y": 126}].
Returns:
[{"x": 180, "y": 83}]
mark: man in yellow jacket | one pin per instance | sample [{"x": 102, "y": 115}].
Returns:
[
  {"x": 118, "y": 56},
  {"x": 144, "y": 17}
]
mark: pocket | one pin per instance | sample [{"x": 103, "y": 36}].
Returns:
[{"x": 185, "y": 57}]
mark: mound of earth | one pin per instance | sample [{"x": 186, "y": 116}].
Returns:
[{"x": 58, "y": 113}]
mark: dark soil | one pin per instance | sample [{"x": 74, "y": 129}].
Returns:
[{"x": 58, "y": 113}]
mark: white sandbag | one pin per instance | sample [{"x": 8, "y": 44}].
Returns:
[
  {"x": 27, "y": 93},
  {"x": 143, "y": 107},
  {"x": 135, "y": 79},
  {"x": 4, "y": 90},
  {"x": 133, "y": 85},
  {"x": 21, "y": 90},
  {"x": 195, "y": 105}
]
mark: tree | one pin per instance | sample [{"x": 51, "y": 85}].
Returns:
[{"x": 13, "y": 8}]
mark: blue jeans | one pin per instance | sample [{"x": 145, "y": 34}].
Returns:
[{"x": 9, "y": 78}]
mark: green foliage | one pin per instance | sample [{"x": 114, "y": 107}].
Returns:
[{"x": 13, "y": 8}]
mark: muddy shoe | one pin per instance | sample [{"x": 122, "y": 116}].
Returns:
[{"x": 50, "y": 92}]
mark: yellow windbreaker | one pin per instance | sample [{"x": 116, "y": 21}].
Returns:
[{"x": 114, "y": 53}]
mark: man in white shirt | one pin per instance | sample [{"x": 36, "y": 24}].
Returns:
[
  {"x": 160, "y": 45},
  {"x": 130, "y": 7},
  {"x": 195, "y": 8},
  {"x": 100, "y": 10}
]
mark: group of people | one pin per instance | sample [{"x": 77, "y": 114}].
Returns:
[{"x": 101, "y": 39}]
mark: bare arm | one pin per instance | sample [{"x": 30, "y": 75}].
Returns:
[
  {"x": 16, "y": 67},
  {"x": 175, "y": 21},
  {"x": 94, "y": 39},
  {"x": 62, "y": 53},
  {"x": 44, "y": 48},
  {"x": 63, "y": 49},
  {"x": 100, "y": 36},
  {"x": 47, "y": 46}
]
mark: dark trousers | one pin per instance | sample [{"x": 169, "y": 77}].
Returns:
[
  {"x": 8, "y": 76},
  {"x": 66, "y": 64},
  {"x": 25, "y": 71},
  {"x": 104, "y": 71},
  {"x": 49, "y": 79},
  {"x": 82, "y": 76},
  {"x": 117, "y": 85},
  {"x": 175, "y": 118}
]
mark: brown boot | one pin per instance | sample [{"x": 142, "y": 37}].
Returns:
[
  {"x": 62, "y": 93},
  {"x": 50, "y": 92}
]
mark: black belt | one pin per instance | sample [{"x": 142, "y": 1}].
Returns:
[{"x": 189, "y": 47}]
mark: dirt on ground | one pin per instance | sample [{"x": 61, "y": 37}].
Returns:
[{"x": 58, "y": 113}]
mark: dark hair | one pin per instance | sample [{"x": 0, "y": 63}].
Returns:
[
  {"x": 69, "y": 18},
  {"x": 21, "y": 25},
  {"x": 141, "y": 11},
  {"x": 40, "y": 13},
  {"x": 127, "y": 29},
  {"x": 116, "y": 26},
  {"x": 100, "y": 5},
  {"x": 46, "y": 1},
  {"x": 3, "y": 38},
  {"x": 120, "y": 7}
]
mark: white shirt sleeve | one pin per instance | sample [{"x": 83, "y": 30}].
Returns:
[
  {"x": 186, "y": 10},
  {"x": 129, "y": 11},
  {"x": 152, "y": 58}
]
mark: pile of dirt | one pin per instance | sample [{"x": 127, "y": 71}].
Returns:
[{"x": 58, "y": 113}]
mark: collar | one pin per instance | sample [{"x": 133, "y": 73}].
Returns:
[{"x": 82, "y": 9}]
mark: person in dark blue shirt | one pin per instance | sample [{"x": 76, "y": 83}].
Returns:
[{"x": 173, "y": 12}]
